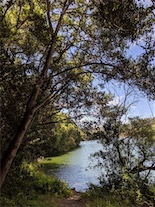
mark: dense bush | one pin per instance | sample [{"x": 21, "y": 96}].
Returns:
[
  {"x": 128, "y": 162},
  {"x": 26, "y": 189},
  {"x": 103, "y": 197}
]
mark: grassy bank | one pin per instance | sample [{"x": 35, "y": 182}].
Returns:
[
  {"x": 34, "y": 188},
  {"x": 99, "y": 197}
]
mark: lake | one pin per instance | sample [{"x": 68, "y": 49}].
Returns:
[{"x": 74, "y": 167}]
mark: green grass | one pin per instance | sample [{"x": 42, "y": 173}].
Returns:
[
  {"x": 53, "y": 160},
  {"x": 35, "y": 189}
]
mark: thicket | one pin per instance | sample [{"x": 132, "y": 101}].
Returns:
[
  {"x": 103, "y": 197},
  {"x": 31, "y": 187},
  {"x": 25, "y": 183},
  {"x": 126, "y": 163}
]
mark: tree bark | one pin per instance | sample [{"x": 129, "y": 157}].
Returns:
[{"x": 14, "y": 146}]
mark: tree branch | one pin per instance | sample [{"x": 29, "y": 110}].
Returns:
[
  {"x": 53, "y": 42},
  {"x": 51, "y": 96},
  {"x": 138, "y": 169},
  {"x": 84, "y": 65},
  {"x": 62, "y": 52},
  {"x": 64, "y": 9},
  {"x": 49, "y": 17}
]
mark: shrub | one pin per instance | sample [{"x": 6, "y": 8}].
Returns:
[{"x": 25, "y": 190}]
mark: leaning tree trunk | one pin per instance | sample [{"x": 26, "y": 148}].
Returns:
[
  {"x": 14, "y": 146},
  {"x": 31, "y": 106},
  {"x": 26, "y": 122}
]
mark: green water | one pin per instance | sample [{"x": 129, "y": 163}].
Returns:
[{"x": 74, "y": 167}]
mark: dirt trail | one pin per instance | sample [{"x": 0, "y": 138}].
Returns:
[{"x": 74, "y": 201}]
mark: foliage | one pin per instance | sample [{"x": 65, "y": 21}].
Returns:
[
  {"x": 138, "y": 128},
  {"x": 51, "y": 54},
  {"x": 129, "y": 22},
  {"x": 99, "y": 197},
  {"x": 128, "y": 162},
  {"x": 30, "y": 200},
  {"x": 127, "y": 19},
  {"x": 45, "y": 142},
  {"x": 31, "y": 188},
  {"x": 52, "y": 135}
]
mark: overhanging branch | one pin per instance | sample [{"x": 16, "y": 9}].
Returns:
[{"x": 142, "y": 168}]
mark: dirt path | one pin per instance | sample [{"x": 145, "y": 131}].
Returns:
[{"x": 74, "y": 201}]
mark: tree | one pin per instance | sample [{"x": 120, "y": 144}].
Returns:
[
  {"x": 46, "y": 140},
  {"x": 42, "y": 90},
  {"x": 131, "y": 23},
  {"x": 51, "y": 51},
  {"x": 128, "y": 162}
]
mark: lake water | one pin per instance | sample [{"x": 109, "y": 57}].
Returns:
[{"x": 74, "y": 167}]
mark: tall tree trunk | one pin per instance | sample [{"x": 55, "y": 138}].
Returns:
[{"x": 14, "y": 146}]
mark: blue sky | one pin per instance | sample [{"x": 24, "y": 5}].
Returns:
[
  {"x": 140, "y": 104},
  {"x": 143, "y": 108}
]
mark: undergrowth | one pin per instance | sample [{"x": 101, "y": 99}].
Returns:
[
  {"x": 32, "y": 188},
  {"x": 98, "y": 197}
]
